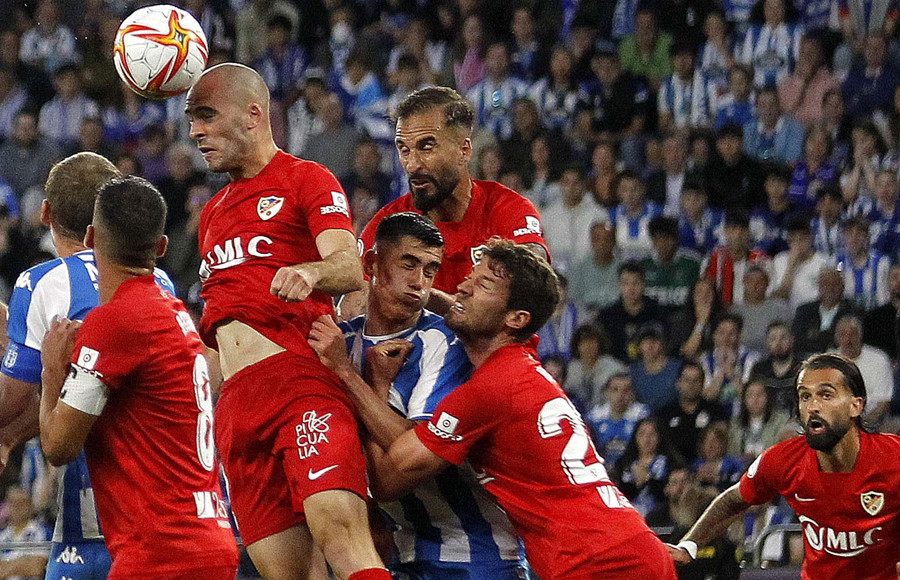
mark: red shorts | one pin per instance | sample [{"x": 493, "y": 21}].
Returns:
[
  {"x": 215, "y": 573},
  {"x": 285, "y": 431}
]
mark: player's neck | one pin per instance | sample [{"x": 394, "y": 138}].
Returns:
[
  {"x": 453, "y": 209},
  {"x": 379, "y": 325},
  {"x": 479, "y": 349},
  {"x": 256, "y": 161},
  {"x": 111, "y": 276},
  {"x": 66, "y": 247},
  {"x": 843, "y": 457}
]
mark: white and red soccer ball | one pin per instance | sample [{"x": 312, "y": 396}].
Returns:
[{"x": 160, "y": 51}]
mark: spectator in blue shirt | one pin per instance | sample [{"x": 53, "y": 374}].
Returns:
[
  {"x": 773, "y": 136},
  {"x": 870, "y": 87}
]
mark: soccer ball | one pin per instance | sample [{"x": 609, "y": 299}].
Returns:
[{"x": 160, "y": 51}]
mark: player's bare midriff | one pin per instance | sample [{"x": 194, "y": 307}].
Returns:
[{"x": 241, "y": 346}]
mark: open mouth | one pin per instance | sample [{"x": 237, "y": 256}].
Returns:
[
  {"x": 815, "y": 426},
  {"x": 419, "y": 182}
]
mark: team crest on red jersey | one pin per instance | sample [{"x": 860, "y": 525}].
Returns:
[
  {"x": 268, "y": 207},
  {"x": 872, "y": 502}
]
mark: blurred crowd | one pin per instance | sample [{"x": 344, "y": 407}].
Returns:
[{"x": 717, "y": 181}]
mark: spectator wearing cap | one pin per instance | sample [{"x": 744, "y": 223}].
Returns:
[
  {"x": 737, "y": 106},
  {"x": 655, "y": 373},
  {"x": 773, "y": 136},
  {"x": 624, "y": 318},
  {"x": 814, "y": 171},
  {"x": 645, "y": 52},
  {"x": 864, "y": 268},
  {"x": 727, "y": 264},
  {"x": 759, "y": 309},
  {"x": 567, "y": 221},
  {"x": 681, "y": 101},
  {"x": 733, "y": 179},
  {"x": 802, "y": 92},
  {"x": 612, "y": 423},
  {"x": 795, "y": 273},
  {"x": 671, "y": 271},
  {"x": 772, "y": 47},
  {"x": 700, "y": 227},
  {"x": 619, "y": 103},
  {"x": 826, "y": 225},
  {"x": 60, "y": 119},
  {"x": 632, "y": 216},
  {"x": 594, "y": 280},
  {"x": 768, "y": 221},
  {"x": 814, "y": 322}
]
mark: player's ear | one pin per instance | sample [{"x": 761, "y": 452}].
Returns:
[
  {"x": 161, "y": 246},
  {"x": 45, "y": 213},
  {"x": 466, "y": 149},
  {"x": 368, "y": 262},
  {"x": 254, "y": 115},
  {"x": 856, "y": 407},
  {"x": 88, "y": 235},
  {"x": 517, "y": 319}
]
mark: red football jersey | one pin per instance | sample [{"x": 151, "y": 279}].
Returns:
[
  {"x": 151, "y": 454},
  {"x": 530, "y": 448},
  {"x": 851, "y": 521},
  {"x": 255, "y": 226},
  {"x": 494, "y": 210}
]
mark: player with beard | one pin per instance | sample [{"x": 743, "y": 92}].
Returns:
[
  {"x": 839, "y": 478},
  {"x": 434, "y": 142},
  {"x": 526, "y": 442}
]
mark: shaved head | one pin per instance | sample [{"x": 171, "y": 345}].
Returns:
[{"x": 228, "y": 110}]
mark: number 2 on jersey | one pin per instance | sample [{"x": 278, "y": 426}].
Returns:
[
  {"x": 206, "y": 447},
  {"x": 576, "y": 450}
]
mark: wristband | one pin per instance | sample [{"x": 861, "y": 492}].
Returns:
[{"x": 688, "y": 546}]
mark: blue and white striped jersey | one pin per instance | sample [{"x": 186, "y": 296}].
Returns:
[
  {"x": 632, "y": 232},
  {"x": 450, "y": 518},
  {"x": 771, "y": 52},
  {"x": 64, "y": 287},
  {"x": 493, "y": 104},
  {"x": 866, "y": 285},
  {"x": 683, "y": 101}
]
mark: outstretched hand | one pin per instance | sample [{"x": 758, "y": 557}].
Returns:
[
  {"x": 679, "y": 555},
  {"x": 326, "y": 338}
]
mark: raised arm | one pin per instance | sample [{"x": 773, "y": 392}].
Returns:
[{"x": 338, "y": 272}]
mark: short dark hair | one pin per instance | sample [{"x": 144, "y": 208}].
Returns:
[
  {"x": 853, "y": 378},
  {"x": 830, "y": 191},
  {"x": 594, "y": 331},
  {"x": 395, "y": 226},
  {"x": 690, "y": 364},
  {"x": 280, "y": 21},
  {"x": 663, "y": 226},
  {"x": 622, "y": 176},
  {"x": 779, "y": 324},
  {"x": 71, "y": 189},
  {"x": 533, "y": 286},
  {"x": 737, "y": 217},
  {"x": 133, "y": 213},
  {"x": 730, "y": 130},
  {"x": 733, "y": 318},
  {"x": 779, "y": 171},
  {"x": 458, "y": 111},
  {"x": 856, "y": 221},
  {"x": 633, "y": 267},
  {"x": 798, "y": 223}
]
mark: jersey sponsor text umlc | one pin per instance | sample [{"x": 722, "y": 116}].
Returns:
[
  {"x": 234, "y": 252},
  {"x": 838, "y": 543}
]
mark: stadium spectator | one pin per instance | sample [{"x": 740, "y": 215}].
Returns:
[
  {"x": 22, "y": 526},
  {"x": 839, "y": 126},
  {"x": 771, "y": 47},
  {"x": 282, "y": 66},
  {"x": 181, "y": 177},
  {"x": 12, "y": 98},
  {"x": 665, "y": 185},
  {"x": 251, "y": 22},
  {"x": 881, "y": 326},
  {"x": 714, "y": 466},
  {"x": 126, "y": 117},
  {"x": 802, "y": 92},
  {"x": 49, "y": 44},
  {"x": 865, "y": 269},
  {"x": 727, "y": 365},
  {"x": 590, "y": 366},
  {"x": 737, "y": 106},
  {"x": 556, "y": 95},
  {"x": 631, "y": 218},
  {"x": 594, "y": 280},
  {"x": 726, "y": 264},
  {"x": 758, "y": 424},
  {"x": 363, "y": 101},
  {"x": 759, "y": 309},
  {"x": 654, "y": 375},
  {"x": 691, "y": 327},
  {"x": 333, "y": 146},
  {"x": 780, "y": 364},
  {"x": 366, "y": 173},
  {"x": 873, "y": 363},
  {"x": 768, "y": 221},
  {"x": 624, "y": 318},
  {"x": 25, "y": 160},
  {"x": 469, "y": 63},
  {"x": 555, "y": 337},
  {"x": 645, "y": 52},
  {"x": 881, "y": 211},
  {"x": 493, "y": 95},
  {"x": 734, "y": 180},
  {"x": 684, "y": 420},
  {"x": 814, "y": 322},
  {"x": 681, "y": 102},
  {"x": 604, "y": 168},
  {"x": 795, "y": 273},
  {"x": 567, "y": 222},
  {"x": 814, "y": 170},
  {"x": 429, "y": 55},
  {"x": 858, "y": 178},
  {"x": 407, "y": 79},
  {"x": 60, "y": 118},
  {"x": 773, "y": 135},
  {"x": 529, "y": 58},
  {"x": 671, "y": 271},
  {"x": 642, "y": 470},
  {"x": 612, "y": 423},
  {"x": 870, "y": 86},
  {"x": 700, "y": 228},
  {"x": 826, "y": 225},
  {"x": 857, "y": 23}
]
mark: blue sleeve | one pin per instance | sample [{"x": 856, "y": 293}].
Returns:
[
  {"x": 22, "y": 363},
  {"x": 164, "y": 282}
]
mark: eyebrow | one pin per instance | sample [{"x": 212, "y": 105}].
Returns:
[{"x": 429, "y": 139}]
